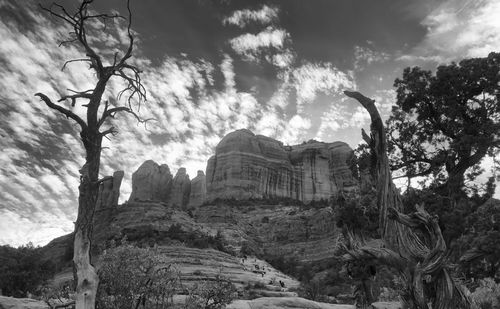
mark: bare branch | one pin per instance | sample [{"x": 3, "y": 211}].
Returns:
[
  {"x": 128, "y": 54},
  {"x": 134, "y": 83},
  {"x": 111, "y": 131},
  {"x": 77, "y": 95},
  {"x": 64, "y": 111},
  {"x": 74, "y": 60},
  {"x": 104, "y": 179}
]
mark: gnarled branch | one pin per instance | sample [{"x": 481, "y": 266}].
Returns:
[{"x": 64, "y": 111}]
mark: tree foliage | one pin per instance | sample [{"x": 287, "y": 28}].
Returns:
[
  {"x": 445, "y": 123},
  {"x": 213, "y": 294},
  {"x": 22, "y": 270},
  {"x": 481, "y": 258}
]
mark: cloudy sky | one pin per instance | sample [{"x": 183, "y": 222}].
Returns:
[{"x": 210, "y": 67}]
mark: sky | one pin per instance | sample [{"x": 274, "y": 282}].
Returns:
[{"x": 277, "y": 68}]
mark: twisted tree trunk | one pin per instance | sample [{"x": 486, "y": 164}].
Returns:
[{"x": 412, "y": 244}]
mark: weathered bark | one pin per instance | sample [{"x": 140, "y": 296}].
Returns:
[
  {"x": 91, "y": 134},
  {"x": 86, "y": 277},
  {"x": 413, "y": 244}
]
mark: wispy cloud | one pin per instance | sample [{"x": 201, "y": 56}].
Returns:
[
  {"x": 458, "y": 29},
  {"x": 241, "y": 18},
  {"x": 364, "y": 56},
  {"x": 41, "y": 151},
  {"x": 313, "y": 78},
  {"x": 253, "y": 45}
]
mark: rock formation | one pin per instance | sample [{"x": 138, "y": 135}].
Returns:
[
  {"x": 106, "y": 205},
  {"x": 246, "y": 165},
  {"x": 198, "y": 193},
  {"x": 109, "y": 191},
  {"x": 181, "y": 189},
  {"x": 151, "y": 182}
]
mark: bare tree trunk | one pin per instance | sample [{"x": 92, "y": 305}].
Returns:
[
  {"x": 87, "y": 279},
  {"x": 91, "y": 134}
]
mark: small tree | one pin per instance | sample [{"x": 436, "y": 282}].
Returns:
[
  {"x": 22, "y": 270},
  {"x": 92, "y": 129},
  {"x": 134, "y": 278},
  {"x": 214, "y": 294}
]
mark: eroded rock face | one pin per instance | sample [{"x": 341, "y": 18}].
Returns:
[
  {"x": 107, "y": 203},
  {"x": 109, "y": 191},
  {"x": 181, "y": 189},
  {"x": 198, "y": 193},
  {"x": 151, "y": 182},
  {"x": 246, "y": 165}
]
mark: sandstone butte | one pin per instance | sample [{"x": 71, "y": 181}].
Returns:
[
  {"x": 257, "y": 193},
  {"x": 247, "y": 166}
]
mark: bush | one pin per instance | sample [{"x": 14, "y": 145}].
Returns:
[
  {"x": 314, "y": 290},
  {"x": 487, "y": 294},
  {"x": 132, "y": 277},
  {"x": 59, "y": 296},
  {"x": 211, "y": 294}
]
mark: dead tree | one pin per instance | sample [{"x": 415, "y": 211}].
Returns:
[
  {"x": 411, "y": 244},
  {"x": 92, "y": 129}
]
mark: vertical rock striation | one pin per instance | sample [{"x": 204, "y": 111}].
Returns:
[
  {"x": 181, "y": 189},
  {"x": 106, "y": 205},
  {"x": 246, "y": 165},
  {"x": 198, "y": 193}
]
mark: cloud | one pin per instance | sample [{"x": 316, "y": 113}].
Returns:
[
  {"x": 340, "y": 116},
  {"x": 458, "y": 29},
  {"x": 242, "y": 18},
  {"x": 252, "y": 46},
  {"x": 364, "y": 56},
  {"x": 41, "y": 151},
  {"x": 312, "y": 78}
]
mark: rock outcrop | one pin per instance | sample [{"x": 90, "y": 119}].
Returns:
[
  {"x": 181, "y": 189},
  {"x": 109, "y": 191},
  {"x": 151, "y": 182},
  {"x": 198, "y": 193},
  {"x": 107, "y": 202},
  {"x": 21, "y": 303},
  {"x": 284, "y": 303},
  {"x": 246, "y": 165}
]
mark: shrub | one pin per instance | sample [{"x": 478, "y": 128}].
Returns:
[
  {"x": 59, "y": 296},
  {"x": 132, "y": 277},
  {"x": 487, "y": 294},
  {"x": 197, "y": 272},
  {"x": 211, "y": 294},
  {"x": 247, "y": 249},
  {"x": 314, "y": 290}
]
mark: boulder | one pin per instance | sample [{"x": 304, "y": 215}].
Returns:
[
  {"x": 181, "y": 189},
  {"x": 198, "y": 193},
  {"x": 151, "y": 182},
  {"x": 21, "y": 303},
  {"x": 284, "y": 303},
  {"x": 386, "y": 305}
]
